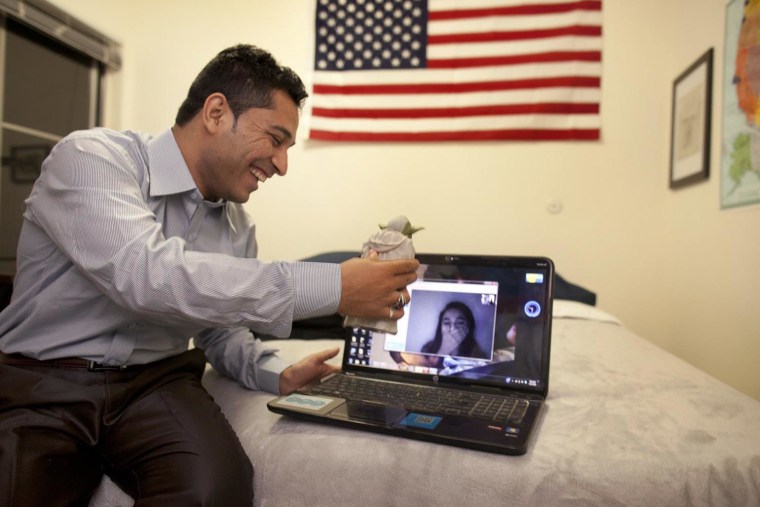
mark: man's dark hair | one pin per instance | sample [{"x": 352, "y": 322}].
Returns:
[{"x": 247, "y": 76}]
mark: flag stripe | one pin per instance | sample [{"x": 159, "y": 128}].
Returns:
[
  {"x": 464, "y": 135},
  {"x": 514, "y": 23},
  {"x": 515, "y": 35},
  {"x": 454, "y": 100},
  {"x": 537, "y": 121},
  {"x": 518, "y": 10},
  {"x": 512, "y": 48},
  {"x": 459, "y": 76},
  {"x": 457, "y": 70},
  {"x": 437, "y": 88},
  {"x": 454, "y": 112},
  {"x": 553, "y": 56}
]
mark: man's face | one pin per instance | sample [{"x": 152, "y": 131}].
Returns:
[{"x": 251, "y": 150}]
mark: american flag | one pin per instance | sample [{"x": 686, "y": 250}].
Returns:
[{"x": 456, "y": 70}]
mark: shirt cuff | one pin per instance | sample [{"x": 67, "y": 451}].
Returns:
[
  {"x": 268, "y": 369},
  {"x": 317, "y": 289}
]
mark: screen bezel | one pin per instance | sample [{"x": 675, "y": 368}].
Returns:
[{"x": 544, "y": 264}]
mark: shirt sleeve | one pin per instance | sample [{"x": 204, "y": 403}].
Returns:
[
  {"x": 90, "y": 201},
  {"x": 237, "y": 354}
]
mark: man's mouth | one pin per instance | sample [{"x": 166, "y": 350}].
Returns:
[{"x": 259, "y": 174}]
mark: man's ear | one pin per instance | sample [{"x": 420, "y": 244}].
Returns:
[{"x": 214, "y": 110}]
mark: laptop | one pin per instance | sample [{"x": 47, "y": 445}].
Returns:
[{"x": 468, "y": 366}]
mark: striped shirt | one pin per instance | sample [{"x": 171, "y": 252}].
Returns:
[{"x": 122, "y": 261}]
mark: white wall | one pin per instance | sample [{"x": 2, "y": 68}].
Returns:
[{"x": 673, "y": 266}]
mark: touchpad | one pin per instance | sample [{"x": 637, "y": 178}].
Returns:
[{"x": 369, "y": 412}]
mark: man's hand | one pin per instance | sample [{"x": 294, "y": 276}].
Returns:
[
  {"x": 306, "y": 370},
  {"x": 370, "y": 288}
]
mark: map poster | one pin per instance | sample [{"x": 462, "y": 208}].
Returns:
[{"x": 740, "y": 153}]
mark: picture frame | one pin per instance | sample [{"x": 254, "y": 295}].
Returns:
[
  {"x": 691, "y": 123},
  {"x": 26, "y": 162}
]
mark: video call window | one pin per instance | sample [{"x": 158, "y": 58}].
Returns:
[{"x": 448, "y": 319}]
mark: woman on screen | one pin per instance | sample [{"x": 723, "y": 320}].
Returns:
[{"x": 455, "y": 334}]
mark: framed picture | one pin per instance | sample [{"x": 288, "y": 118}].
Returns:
[
  {"x": 690, "y": 135},
  {"x": 26, "y": 162}
]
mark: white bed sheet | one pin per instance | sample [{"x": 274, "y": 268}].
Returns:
[{"x": 627, "y": 424}]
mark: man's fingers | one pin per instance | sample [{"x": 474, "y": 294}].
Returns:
[
  {"x": 404, "y": 266},
  {"x": 325, "y": 355},
  {"x": 370, "y": 288}
]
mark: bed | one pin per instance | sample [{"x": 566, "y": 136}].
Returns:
[{"x": 627, "y": 424}]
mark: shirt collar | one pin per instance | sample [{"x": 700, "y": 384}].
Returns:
[{"x": 169, "y": 173}]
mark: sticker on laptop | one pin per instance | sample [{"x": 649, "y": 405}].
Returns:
[
  {"x": 427, "y": 422},
  {"x": 511, "y": 432},
  {"x": 305, "y": 402}
]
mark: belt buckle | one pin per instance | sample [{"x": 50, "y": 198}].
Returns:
[{"x": 93, "y": 366}]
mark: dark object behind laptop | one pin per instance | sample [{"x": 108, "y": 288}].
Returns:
[{"x": 331, "y": 326}]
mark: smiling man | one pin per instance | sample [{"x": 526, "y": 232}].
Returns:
[{"x": 131, "y": 246}]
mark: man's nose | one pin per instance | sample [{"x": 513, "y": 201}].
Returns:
[{"x": 280, "y": 162}]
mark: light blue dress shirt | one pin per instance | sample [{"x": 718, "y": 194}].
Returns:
[{"x": 121, "y": 261}]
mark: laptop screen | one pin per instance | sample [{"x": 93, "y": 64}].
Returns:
[{"x": 471, "y": 319}]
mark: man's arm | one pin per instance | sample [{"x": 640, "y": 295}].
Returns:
[{"x": 90, "y": 202}]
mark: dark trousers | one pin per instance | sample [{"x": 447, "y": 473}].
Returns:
[{"x": 153, "y": 429}]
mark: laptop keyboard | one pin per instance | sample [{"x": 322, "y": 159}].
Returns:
[{"x": 425, "y": 399}]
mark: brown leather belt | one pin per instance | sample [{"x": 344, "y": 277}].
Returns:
[{"x": 64, "y": 362}]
